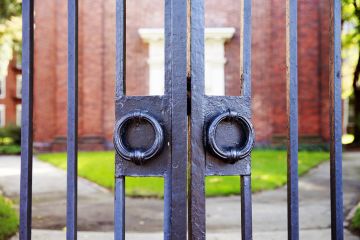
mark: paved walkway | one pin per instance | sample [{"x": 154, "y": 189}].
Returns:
[{"x": 144, "y": 216}]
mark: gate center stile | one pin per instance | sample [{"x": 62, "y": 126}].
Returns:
[{"x": 184, "y": 123}]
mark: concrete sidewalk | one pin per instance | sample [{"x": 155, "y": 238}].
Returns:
[
  {"x": 320, "y": 234},
  {"x": 144, "y": 216}
]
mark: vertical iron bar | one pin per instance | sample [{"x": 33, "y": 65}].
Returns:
[
  {"x": 245, "y": 69},
  {"x": 197, "y": 200},
  {"x": 119, "y": 215},
  {"x": 72, "y": 137},
  {"x": 120, "y": 84},
  {"x": 335, "y": 122},
  {"x": 176, "y": 76},
  {"x": 246, "y": 208},
  {"x": 292, "y": 111},
  {"x": 27, "y": 119},
  {"x": 245, "y": 47},
  {"x": 168, "y": 91}
]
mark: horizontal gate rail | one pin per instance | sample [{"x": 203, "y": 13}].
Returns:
[
  {"x": 27, "y": 119},
  {"x": 72, "y": 134},
  {"x": 337, "y": 220},
  {"x": 292, "y": 111}
]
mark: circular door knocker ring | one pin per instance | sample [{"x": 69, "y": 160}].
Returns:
[
  {"x": 231, "y": 155},
  {"x": 138, "y": 156}
]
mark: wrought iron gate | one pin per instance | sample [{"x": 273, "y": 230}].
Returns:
[{"x": 183, "y": 119}]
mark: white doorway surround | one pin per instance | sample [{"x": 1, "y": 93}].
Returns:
[{"x": 215, "y": 39}]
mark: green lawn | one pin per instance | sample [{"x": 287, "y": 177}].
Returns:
[
  {"x": 268, "y": 172},
  {"x": 8, "y": 219}
]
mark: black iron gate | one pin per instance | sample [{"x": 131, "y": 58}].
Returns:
[{"x": 184, "y": 120}]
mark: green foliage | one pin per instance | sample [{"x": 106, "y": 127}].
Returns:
[
  {"x": 9, "y": 220},
  {"x": 268, "y": 172},
  {"x": 355, "y": 221},
  {"x": 10, "y": 135},
  {"x": 351, "y": 24},
  {"x": 350, "y": 43},
  {"x": 10, "y": 149},
  {"x": 10, "y": 32},
  {"x": 10, "y": 140},
  {"x": 9, "y": 8}
]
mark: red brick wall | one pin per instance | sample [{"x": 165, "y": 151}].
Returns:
[
  {"x": 261, "y": 71},
  {"x": 309, "y": 66},
  {"x": 277, "y": 66},
  {"x": 312, "y": 63},
  {"x": 97, "y": 65},
  {"x": 45, "y": 79},
  {"x": 324, "y": 71}
]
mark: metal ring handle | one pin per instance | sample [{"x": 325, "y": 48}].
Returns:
[
  {"x": 231, "y": 155},
  {"x": 138, "y": 156}
]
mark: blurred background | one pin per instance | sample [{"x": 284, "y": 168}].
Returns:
[{"x": 145, "y": 76}]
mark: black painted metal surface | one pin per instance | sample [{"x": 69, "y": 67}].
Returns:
[
  {"x": 151, "y": 132},
  {"x": 242, "y": 148},
  {"x": 176, "y": 82},
  {"x": 337, "y": 219},
  {"x": 72, "y": 134},
  {"x": 197, "y": 217},
  {"x": 119, "y": 202},
  {"x": 221, "y": 131},
  {"x": 138, "y": 156},
  {"x": 292, "y": 111},
  {"x": 27, "y": 119}
]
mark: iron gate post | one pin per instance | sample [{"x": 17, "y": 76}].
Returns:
[
  {"x": 208, "y": 112},
  {"x": 167, "y": 114},
  {"x": 337, "y": 218},
  {"x": 292, "y": 113},
  {"x": 27, "y": 119},
  {"x": 72, "y": 134}
]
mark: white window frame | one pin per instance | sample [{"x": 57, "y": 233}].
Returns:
[
  {"x": 18, "y": 85},
  {"x": 3, "y": 86},
  {"x": 2, "y": 115},
  {"x": 18, "y": 114},
  {"x": 215, "y": 60}
]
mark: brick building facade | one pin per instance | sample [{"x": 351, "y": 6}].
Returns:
[
  {"x": 10, "y": 95},
  {"x": 97, "y": 66}
]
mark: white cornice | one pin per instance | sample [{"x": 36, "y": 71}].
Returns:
[{"x": 157, "y": 34}]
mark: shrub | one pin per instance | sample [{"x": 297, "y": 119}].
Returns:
[
  {"x": 9, "y": 220},
  {"x": 10, "y": 149},
  {"x": 10, "y": 135}
]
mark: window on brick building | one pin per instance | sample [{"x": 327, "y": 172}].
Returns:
[
  {"x": 18, "y": 85},
  {"x": 215, "y": 60},
  {"x": 2, "y": 86},
  {"x": 18, "y": 115},
  {"x": 2, "y": 115}
]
